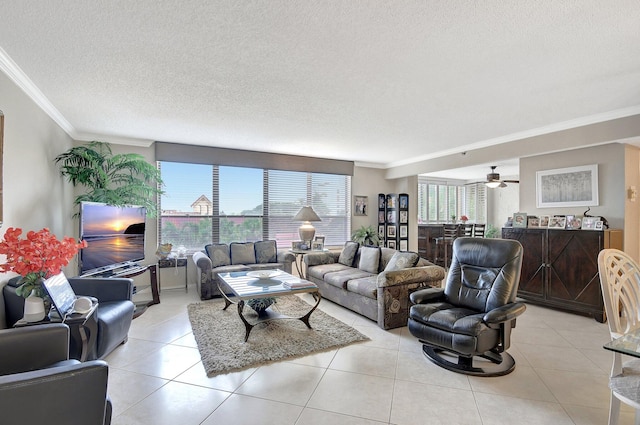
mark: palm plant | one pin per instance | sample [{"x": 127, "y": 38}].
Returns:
[
  {"x": 122, "y": 179},
  {"x": 366, "y": 236}
]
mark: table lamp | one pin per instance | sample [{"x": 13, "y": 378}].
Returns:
[{"x": 307, "y": 215}]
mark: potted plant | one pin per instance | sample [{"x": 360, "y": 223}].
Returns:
[
  {"x": 366, "y": 236},
  {"x": 119, "y": 180}
]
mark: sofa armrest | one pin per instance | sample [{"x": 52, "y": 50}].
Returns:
[
  {"x": 427, "y": 295},
  {"x": 72, "y": 395},
  {"x": 202, "y": 261},
  {"x": 411, "y": 275},
  {"x": 105, "y": 289},
  {"x": 285, "y": 256},
  {"x": 33, "y": 347},
  {"x": 318, "y": 258}
]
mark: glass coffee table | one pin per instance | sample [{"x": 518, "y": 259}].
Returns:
[{"x": 250, "y": 285}]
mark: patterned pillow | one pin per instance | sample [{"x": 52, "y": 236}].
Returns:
[
  {"x": 348, "y": 253},
  {"x": 266, "y": 252},
  {"x": 402, "y": 260},
  {"x": 243, "y": 253},
  {"x": 219, "y": 254},
  {"x": 369, "y": 259}
]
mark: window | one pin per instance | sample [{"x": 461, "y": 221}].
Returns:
[
  {"x": 210, "y": 204},
  {"x": 440, "y": 202}
]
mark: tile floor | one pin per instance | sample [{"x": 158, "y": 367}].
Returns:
[{"x": 560, "y": 378}]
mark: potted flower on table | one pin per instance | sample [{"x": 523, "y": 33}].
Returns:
[{"x": 38, "y": 256}]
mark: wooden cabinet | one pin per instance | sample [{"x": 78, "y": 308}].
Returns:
[{"x": 560, "y": 267}]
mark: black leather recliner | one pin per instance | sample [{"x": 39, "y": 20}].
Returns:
[
  {"x": 472, "y": 316},
  {"x": 40, "y": 385},
  {"x": 114, "y": 314}
]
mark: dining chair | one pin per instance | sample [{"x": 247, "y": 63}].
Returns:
[
  {"x": 466, "y": 230},
  {"x": 478, "y": 230},
  {"x": 620, "y": 282},
  {"x": 444, "y": 243}
]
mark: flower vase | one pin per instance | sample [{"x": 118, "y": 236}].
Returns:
[
  {"x": 34, "y": 308},
  {"x": 260, "y": 305}
]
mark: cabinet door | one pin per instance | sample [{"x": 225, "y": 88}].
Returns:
[
  {"x": 532, "y": 276},
  {"x": 573, "y": 269}
]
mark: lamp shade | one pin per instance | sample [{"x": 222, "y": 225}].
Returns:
[
  {"x": 306, "y": 231},
  {"x": 306, "y": 214}
]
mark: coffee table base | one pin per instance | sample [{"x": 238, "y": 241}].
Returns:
[{"x": 268, "y": 314}]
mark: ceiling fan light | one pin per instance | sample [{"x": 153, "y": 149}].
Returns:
[{"x": 494, "y": 184}]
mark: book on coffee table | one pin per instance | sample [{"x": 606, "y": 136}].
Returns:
[{"x": 298, "y": 284}]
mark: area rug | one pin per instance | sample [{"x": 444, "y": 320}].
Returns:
[{"x": 220, "y": 335}]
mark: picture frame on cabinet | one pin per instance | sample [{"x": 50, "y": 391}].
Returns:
[
  {"x": 589, "y": 223},
  {"x": 533, "y": 221},
  {"x": 404, "y": 231},
  {"x": 520, "y": 220},
  {"x": 574, "y": 222},
  {"x": 557, "y": 222},
  {"x": 404, "y": 245},
  {"x": 543, "y": 221},
  {"x": 599, "y": 225}
]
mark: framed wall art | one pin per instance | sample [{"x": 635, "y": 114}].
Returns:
[
  {"x": 567, "y": 187},
  {"x": 360, "y": 205}
]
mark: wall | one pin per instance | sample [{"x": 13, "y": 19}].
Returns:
[
  {"x": 632, "y": 208},
  {"x": 611, "y": 181},
  {"x": 502, "y": 203},
  {"x": 35, "y": 195}
]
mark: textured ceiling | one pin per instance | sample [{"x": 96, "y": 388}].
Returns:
[{"x": 378, "y": 82}]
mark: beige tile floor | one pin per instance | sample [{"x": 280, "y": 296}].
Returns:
[{"x": 561, "y": 378}]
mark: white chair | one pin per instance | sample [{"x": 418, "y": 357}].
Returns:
[{"x": 620, "y": 281}]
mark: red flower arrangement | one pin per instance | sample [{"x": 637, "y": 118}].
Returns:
[
  {"x": 40, "y": 255},
  {"x": 464, "y": 218}
]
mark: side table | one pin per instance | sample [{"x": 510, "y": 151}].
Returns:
[
  {"x": 83, "y": 330},
  {"x": 175, "y": 263},
  {"x": 299, "y": 254}
]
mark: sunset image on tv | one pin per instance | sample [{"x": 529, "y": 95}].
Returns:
[{"x": 113, "y": 234}]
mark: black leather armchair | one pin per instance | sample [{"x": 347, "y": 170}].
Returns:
[
  {"x": 472, "y": 316},
  {"x": 39, "y": 385},
  {"x": 114, "y": 314}
]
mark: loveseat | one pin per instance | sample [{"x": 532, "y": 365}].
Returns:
[
  {"x": 236, "y": 257},
  {"x": 374, "y": 282}
]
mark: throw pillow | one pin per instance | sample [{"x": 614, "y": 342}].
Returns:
[
  {"x": 402, "y": 260},
  {"x": 369, "y": 259},
  {"x": 266, "y": 252},
  {"x": 243, "y": 253},
  {"x": 348, "y": 253},
  {"x": 219, "y": 254}
]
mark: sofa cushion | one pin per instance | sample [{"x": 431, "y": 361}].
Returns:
[
  {"x": 266, "y": 252},
  {"x": 243, "y": 253},
  {"x": 348, "y": 253},
  {"x": 339, "y": 279},
  {"x": 219, "y": 254},
  {"x": 366, "y": 286},
  {"x": 402, "y": 260},
  {"x": 320, "y": 270},
  {"x": 369, "y": 259}
]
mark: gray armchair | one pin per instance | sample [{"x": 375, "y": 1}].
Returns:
[
  {"x": 39, "y": 384},
  {"x": 472, "y": 316},
  {"x": 114, "y": 314}
]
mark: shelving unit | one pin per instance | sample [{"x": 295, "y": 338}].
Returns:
[{"x": 393, "y": 220}]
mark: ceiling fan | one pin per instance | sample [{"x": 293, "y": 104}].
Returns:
[{"x": 493, "y": 179}]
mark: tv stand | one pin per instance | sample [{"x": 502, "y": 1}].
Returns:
[{"x": 128, "y": 270}]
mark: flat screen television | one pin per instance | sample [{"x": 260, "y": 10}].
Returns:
[{"x": 114, "y": 235}]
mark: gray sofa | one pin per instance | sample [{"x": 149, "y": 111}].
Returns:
[
  {"x": 374, "y": 282},
  {"x": 236, "y": 257}
]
